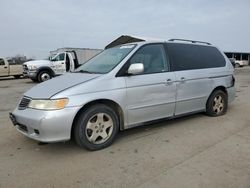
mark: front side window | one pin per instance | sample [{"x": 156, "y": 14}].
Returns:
[
  {"x": 12, "y": 62},
  {"x": 59, "y": 57},
  {"x": 2, "y": 62},
  {"x": 152, "y": 57},
  {"x": 105, "y": 61}
]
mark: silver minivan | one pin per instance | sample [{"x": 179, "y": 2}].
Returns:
[{"x": 125, "y": 86}]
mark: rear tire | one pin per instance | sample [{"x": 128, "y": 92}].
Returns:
[
  {"x": 217, "y": 103},
  {"x": 96, "y": 127},
  {"x": 44, "y": 76}
]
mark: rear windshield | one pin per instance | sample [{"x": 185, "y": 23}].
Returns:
[
  {"x": 105, "y": 61},
  {"x": 187, "y": 57}
]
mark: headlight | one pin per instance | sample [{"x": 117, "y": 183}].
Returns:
[
  {"x": 32, "y": 67},
  {"x": 54, "y": 104}
]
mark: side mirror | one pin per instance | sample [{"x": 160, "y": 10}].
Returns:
[{"x": 136, "y": 68}]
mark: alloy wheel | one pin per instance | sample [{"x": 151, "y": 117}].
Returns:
[
  {"x": 218, "y": 104},
  {"x": 99, "y": 128},
  {"x": 45, "y": 76}
]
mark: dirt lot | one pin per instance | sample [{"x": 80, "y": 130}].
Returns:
[{"x": 195, "y": 151}]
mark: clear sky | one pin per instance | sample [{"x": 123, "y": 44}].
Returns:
[{"x": 35, "y": 27}]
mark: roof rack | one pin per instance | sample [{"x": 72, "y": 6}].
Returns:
[{"x": 192, "y": 41}]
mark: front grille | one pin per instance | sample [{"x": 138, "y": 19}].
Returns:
[
  {"x": 24, "y": 103},
  {"x": 23, "y": 128},
  {"x": 25, "y": 68},
  {"x": 36, "y": 131}
]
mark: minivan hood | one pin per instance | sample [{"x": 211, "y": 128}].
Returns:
[{"x": 51, "y": 87}]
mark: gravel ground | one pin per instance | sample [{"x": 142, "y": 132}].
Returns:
[{"x": 195, "y": 151}]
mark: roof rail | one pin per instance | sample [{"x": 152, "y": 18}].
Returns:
[{"x": 192, "y": 41}]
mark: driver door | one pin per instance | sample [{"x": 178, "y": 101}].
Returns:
[
  {"x": 58, "y": 63},
  {"x": 150, "y": 95}
]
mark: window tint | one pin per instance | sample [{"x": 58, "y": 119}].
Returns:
[
  {"x": 11, "y": 62},
  {"x": 2, "y": 62},
  {"x": 186, "y": 56},
  {"x": 59, "y": 57},
  {"x": 152, "y": 57}
]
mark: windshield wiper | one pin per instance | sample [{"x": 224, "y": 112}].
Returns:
[{"x": 83, "y": 71}]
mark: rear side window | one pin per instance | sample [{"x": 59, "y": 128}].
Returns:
[{"x": 188, "y": 57}]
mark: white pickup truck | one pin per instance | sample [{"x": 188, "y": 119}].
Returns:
[
  {"x": 9, "y": 69},
  {"x": 62, "y": 62}
]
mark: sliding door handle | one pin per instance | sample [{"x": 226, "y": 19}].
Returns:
[
  {"x": 183, "y": 79},
  {"x": 168, "y": 82}
]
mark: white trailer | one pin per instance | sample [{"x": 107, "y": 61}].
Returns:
[
  {"x": 83, "y": 54},
  {"x": 61, "y": 61}
]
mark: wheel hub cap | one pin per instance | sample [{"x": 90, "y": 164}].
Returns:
[
  {"x": 218, "y": 104},
  {"x": 45, "y": 76},
  {"x": 99, "y": 128}
]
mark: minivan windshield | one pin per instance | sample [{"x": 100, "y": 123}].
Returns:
[{"x": 106, "y": 60}]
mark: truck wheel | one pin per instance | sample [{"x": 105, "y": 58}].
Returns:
[
  {"x": 96, "y": 127},
  {"x": 237, "y": 65},
  {"x": 44, "y": 75},
  {"x": 17, "y": 76},
  {"x": 217, "y": 103}
]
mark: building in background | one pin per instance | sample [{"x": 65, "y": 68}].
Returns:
[
  {"x": 18, "y": 59},
  {"x": 241, "y": 57}
]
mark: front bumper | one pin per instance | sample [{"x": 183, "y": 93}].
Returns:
[
  {"x": 45, "y": 126},
  {"x": 25, "y": 74},
  {"x": 31, "y": 74}
]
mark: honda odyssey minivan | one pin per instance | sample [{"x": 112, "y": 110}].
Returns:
[{"x": 125, "y": 86}]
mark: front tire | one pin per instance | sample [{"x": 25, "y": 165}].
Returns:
[
  {"x": 217, "y": 103},
  {"x": 96, "y": 127},
  {"x": 44, "y": 76}
]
